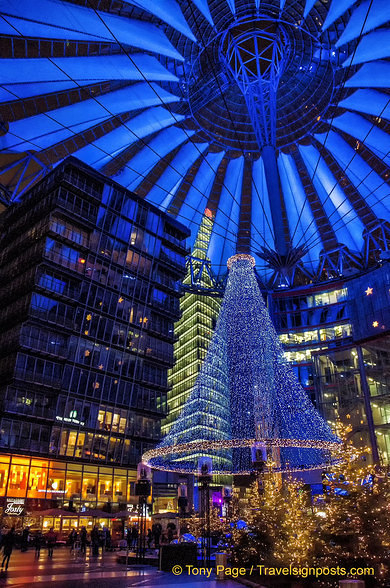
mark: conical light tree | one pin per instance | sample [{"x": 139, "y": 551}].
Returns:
[{"x": 246, "y": 396}]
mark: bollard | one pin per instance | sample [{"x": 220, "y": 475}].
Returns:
[
  {"x": 221, "y": 559},
  {"x": 352, "y": 584}
]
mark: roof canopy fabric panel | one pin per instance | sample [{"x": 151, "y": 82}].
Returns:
[{"x": 151, "y": 95}]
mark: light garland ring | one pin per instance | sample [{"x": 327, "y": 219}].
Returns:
[{"x": 207, "y": 446}]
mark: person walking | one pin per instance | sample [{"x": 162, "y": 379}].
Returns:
[
  {"x": 169, "y": 534},
  {"x": 83, "y": 540},
  {"x": 134, "y": 536},
  {"x": 25, "y": 535},
  {"x": 51, "y": 539},
  {"x": 72, "y": 539},
  {"x": 107, "y": 539},
  {"x": 38, "y": 540},
  {"x": 150, "y": 538},
  {"x": 157, "y": 534},
  {"x": 8, "y": 545},
  {"x": 129, "y": 538},
  {"x": 95, "y": 540}
]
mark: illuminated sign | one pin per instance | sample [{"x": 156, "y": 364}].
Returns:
[
  {"x": 14, "y": 507},
  {"x": 133, "y": 509},
  {"x": 70, "y": 419},
  {"x": 53, "y": 491}
]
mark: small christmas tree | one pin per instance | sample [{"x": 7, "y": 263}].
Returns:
[
  {"x": 357, "y": 523},
  {"x": 267, "y": 504},
  {"x": 294, "y": 543},
  {"x": 280, "y": 522},
  {"x": 196, "y": 524}
]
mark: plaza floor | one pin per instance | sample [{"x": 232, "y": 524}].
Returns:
[{"x": 66, "y": 570}]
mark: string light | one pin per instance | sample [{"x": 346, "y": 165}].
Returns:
[
  {"x": 357, "y": 512},
  {"x": 246, "y": 395},
  {"x": 351, "y": 529}
]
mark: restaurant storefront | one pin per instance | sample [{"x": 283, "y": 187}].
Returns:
[
  {"x": 41, "y": 484},
  {"x": 30, "y": 486},
  {"x": 49, "y": 481},
  {"x": 64, "y": 522}
]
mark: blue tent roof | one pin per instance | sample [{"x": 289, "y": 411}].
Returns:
[{"x": 195, "y": 104}]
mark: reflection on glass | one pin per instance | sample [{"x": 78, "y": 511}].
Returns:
[
  {"x": 37, "y": 482},
  {"x": 17, "y": 485}
]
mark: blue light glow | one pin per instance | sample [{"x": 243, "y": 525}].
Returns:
[
  {"x": 223, "y": 104},
  {"x": 245, "y": 390}
]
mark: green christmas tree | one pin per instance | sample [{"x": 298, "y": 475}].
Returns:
[
  {"x": 357, "y": 522},
  {"x": 280, "y": 523}
]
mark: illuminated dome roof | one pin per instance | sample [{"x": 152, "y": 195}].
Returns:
[{"x": 272, "y": 115}]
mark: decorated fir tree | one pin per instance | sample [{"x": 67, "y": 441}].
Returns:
[
  {"x": 196, "y": 524},
  {"x": 295, "y": 541},
  {"x": 267, "y": 503},
  {"x": 357, "y": 522},
  {"x": 280, "y": 523}
]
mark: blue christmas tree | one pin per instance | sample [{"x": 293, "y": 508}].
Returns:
[{"x": 246, "y": 394}]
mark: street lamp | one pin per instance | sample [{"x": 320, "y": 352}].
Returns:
[
  {"x": 204, "y": 478},
  {"x": 182, "y": 500},
  {"x": 143, "y": 488}
]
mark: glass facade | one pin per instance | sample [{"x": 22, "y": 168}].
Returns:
[
  {"x": 353, "y": 384},
  {"x": 338, "y": 343},
  {"x": 89, "y": 295},
  {"x": 308, "y": 321}
]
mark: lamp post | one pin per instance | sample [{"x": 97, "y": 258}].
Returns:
[
  {"x": 182, "y": 500},
  {"x": 227, "y": 496},
  {"x": 205, "y": 477},
  {"x": 259, "y": 458},
  {"x": 142, "y": 490}
]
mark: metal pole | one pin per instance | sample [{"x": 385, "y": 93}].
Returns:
[
  {"x": 141, "y": 545},
  {"x": 228, "y": 517},
  {"x": 205, "y": 517}
]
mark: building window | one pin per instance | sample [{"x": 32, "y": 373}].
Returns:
[
  {"x": 4, "y": 471},
  {"x": 17, "y": 485}
]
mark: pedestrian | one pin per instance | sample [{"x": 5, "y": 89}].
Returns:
[
  {"x": 101, "y": 538},
  {"x": 51, "y": 539},
  {"x": 25, "y": 535},
  {"x": 157, "y": 534},
  {"x": 170, "y": 534},
  {"x": 72, "y": 539},
  {"x": 134, "y": 536},
  {"x": 8, "y": 544},
  {"x": 107, "y": 538},
  {"x": 150, "y": 538},
  {"x": 95, "y": 540},
  {"x": 38, "y": 540},
  {"x": 83, "y": 540},
  {"x": 129, "y": 538}
]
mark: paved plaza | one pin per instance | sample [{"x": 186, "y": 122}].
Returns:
[{"x": 67, "y": 570}]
